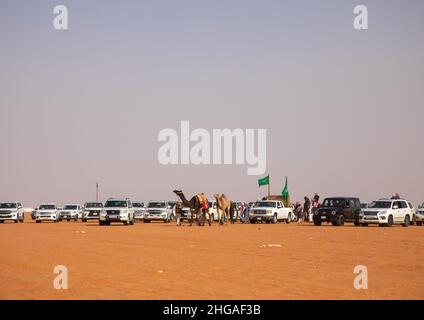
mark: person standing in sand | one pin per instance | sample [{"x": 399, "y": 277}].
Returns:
[{"x": 178, "y": 212}]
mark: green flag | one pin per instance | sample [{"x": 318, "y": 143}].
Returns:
[
  {"x": 263, "y": 181},
  {"x": 285, "y": 192}
]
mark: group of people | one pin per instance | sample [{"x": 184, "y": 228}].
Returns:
[{"x": 304, "y": 212}]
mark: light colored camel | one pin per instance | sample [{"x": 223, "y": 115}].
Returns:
[{"x": 224, "y": 206}]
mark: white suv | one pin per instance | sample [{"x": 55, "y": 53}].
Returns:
[
  {"x": 117, "y": 210},
  {"x": 387, "y": 212},
  {"x": 71, "y": 211},
  {"x": 270, "y": 211},
  {"x": 419, "y": 215},
  {"x": 47, "y": 212},
  {"x": 11, "y": 211}
]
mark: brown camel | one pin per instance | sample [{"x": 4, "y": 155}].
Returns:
[
  {"x": 224, "y": 207},
  {"x": 196, "y": 207}
]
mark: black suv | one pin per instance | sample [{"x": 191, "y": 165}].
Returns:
[{"x": 338, "y": 210}]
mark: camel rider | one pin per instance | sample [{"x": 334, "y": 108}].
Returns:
[{"x": 178, "y": 212}]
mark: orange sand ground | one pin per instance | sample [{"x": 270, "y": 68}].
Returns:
[{"x": 162, "y": 261}]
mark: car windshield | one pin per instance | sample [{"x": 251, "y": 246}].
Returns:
[
  {"x": 115, "y": 204},
  {"x": 70, "y": 207},
  {"x": 94, "y": 205},
  {"x": 47, "y": 207},
  {"x": 157, "y": 205},
  {"x": 265, "y": 204},
  {"x": 138, "y": 205},
  {"x": 7, "y": 205},
  {"x": 334, "y": 203},
  {"x": 380, "y": 204}
]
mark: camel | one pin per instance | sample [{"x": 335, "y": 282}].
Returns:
[
  {"x": 195, "y": 206},
  {"x": 224, "y": 207}
]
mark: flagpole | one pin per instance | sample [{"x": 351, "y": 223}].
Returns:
[{"x": 269, "y": 185}]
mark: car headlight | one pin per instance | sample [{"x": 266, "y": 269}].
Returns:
[
  {"x": 383, "y": 212},
  {"x": 333, "y": 212},
  {"x": 269, "y": 211}
]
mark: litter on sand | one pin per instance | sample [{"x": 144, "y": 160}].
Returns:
[{"x": 270, "y": 246}]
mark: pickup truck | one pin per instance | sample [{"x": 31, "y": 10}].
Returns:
[
  {"x": 12, "y": 211},
  {"x": 270, "y": 211},
  {"x": 92, "y": 211},
  {"x": 47, "y": 212},
  {"x": 159, "y": 211},
  {"x": 71, "y": 212}
]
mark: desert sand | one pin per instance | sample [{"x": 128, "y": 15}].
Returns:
[{"x": 163, "y": 261}]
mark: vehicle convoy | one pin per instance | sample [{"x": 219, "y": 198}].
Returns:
[
  {"x": 11, "y": 211},
  {"x": 92, "y": 211},
  {"x": 270, "y": 211},
  {"x": 47, "y": 212},
  {"x": 158, "y": 211},
  {"x": 139, "y": 210},
  {"x": 387, "y": 212},
  {"x": 419, "y": 216},
  {"x": 71, "y": 212},
  {"x": 338, "y": 210},
  {"x": 117, "y": 210}
]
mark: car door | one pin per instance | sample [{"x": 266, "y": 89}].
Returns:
[
  {"x": 280, "y": 213},
  {"x": 405, "y": 210},
  {"x": 347, "y": 210},
  {"x": 396, "y": 210}
]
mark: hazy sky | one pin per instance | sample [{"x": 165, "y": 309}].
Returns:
[{"x": 344, "y": 109}]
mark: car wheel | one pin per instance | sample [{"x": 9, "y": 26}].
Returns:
[
  {"x": 252, "y": 221},
  {"x": 288, "y": 219},
  {"x": 317, "y": 222},
  {"x": 84, "y": 220},
  {"x": 407, "y": 221},
  {"x": 364, "y": 224},
  {"x": 390, "y": 221},
  {"x": 36, "y": 221},
  {"x": 274, "y": 219},
  {"x": 419, "y": 223}
]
